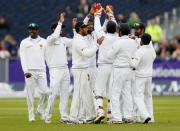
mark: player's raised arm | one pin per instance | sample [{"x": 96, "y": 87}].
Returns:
[
  {"x": 56, "y": 33},
  {"x": 97, "y": 24},
  {"x": 90, "y": 14},
  {"x": 73, "y": 23},
  {"x": 110, "y": 16}
]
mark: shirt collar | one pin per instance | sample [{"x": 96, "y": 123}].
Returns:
[
  {"x": 38, "y": 38},
  {"x": 79, "y": 36},
  {"x": 124, "y": 37}
]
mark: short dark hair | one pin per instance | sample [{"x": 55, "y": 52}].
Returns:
[
  {"x": 124, "y": 28},
  {"x": 146, "y": 38},
  {"x": 111, "y": 27},
  {"x": 79, "y": 25}
]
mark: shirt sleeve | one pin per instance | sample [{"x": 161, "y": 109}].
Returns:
[
  {"x": 23, "y": 58},
  {"x": 86, "y": 20},
  {"x": 113, "y": 50},
  {"x": 85, "y": 50},
  {"x": 68, "y": 42},
  {"x": 55, "y": 35},
  {"x": 97, "y": 27},
  {"x": 134, "y": 62}
]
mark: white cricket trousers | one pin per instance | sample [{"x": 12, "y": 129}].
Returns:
[
  {"x": 136, "y": 114},
  {"x": 92, "y": 79},
  {"x": 102, "y": 88},
  {"x": 37, "y": 80},
  {"x": 143, "y": 97},
  {"x": 120, "y": 94},
  {"x": 82, "y": 96},
  {"x": 59, "y": 84}
]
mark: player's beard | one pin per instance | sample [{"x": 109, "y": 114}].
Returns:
[{"x": 89, "y": 31}]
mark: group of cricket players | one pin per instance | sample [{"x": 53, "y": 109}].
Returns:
[{"x": 109, "y": 63}]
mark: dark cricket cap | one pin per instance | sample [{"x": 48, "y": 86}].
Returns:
[
  {"x": 33, "y": 26},
  {"x": 139, "y": 25}
]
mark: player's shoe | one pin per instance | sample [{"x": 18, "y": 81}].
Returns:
[
  {"x": 48, "y": 120},
  {"x": 137, "y": 119},
  {"x": 98, "y": 9},
  {"x": 115, "y": 122},
  {"x": 98, "y": 119},
  {"x": 129, "y": 121},
  {"x": 63, "y": 121},
  {"x": 91, "y": 121},
  {"x": 32, "y": 119},
  {"x": 147, "y": 120},
  {"x": 41, "y": 115}
]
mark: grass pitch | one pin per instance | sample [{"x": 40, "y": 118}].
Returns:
[{"x": 13, "y": 117}]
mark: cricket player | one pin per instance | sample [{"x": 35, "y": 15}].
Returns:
[
  {"x": 142, "y": 61},
  {"x": 56, "y": 58},
  {"x": 33, "y": 65},
  {"x": 139, "y": 30},
  {"x": 121, "y": 77},
  {"x": 82, "y": 95},
  {"x": 104, "y": 63}
]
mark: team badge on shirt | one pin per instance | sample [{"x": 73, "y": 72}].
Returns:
[{"x": 41, "y": 45}]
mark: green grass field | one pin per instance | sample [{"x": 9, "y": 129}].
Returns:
[{"x": 13, "y": 117}]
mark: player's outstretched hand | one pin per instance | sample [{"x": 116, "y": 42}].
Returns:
[
  {"x": 97, "y": 9},
  {"x": 109, "y": 11},
  {"x": 74, "y": 21},
  {"x": 100, "y": 40},
  {"x": 62, "y": 17},
  {"x": 91, "y": 12},
  {"x": 28, "y": 75}
]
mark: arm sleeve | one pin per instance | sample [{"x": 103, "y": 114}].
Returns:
[
  {"x": 113, "y": 50},
  {"x": 86, "y": 20},
  {"x": 97, "y": 27},
  {"x": 105, "y": 24},
  {"x": 55, "y": 35},
  {"x": 23, "y": 58},
  {"x": 68, "y": 42},
  {"x": 87, "y": 51},
  {"x": 134, "y": 62},
  {"x": 74, "y": 32}
]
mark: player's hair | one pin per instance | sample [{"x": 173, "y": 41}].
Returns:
[
  {"x": 124, "y": 29},
  {"x": 146, "y": 38},
  {"x": 111, "y": 27}
]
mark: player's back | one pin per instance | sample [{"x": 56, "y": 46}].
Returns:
[
  {"x": 104, "y": 48},
  {"x": 147, "y": 55},
  {"x": 127, "y": 48}
]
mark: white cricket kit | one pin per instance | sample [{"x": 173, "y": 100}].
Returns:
[
  {"x": 56, "y": 58},
  {"x": 104, "y": 67},
  {"x": 143, "y": 62},
  {"x": 82, "y": 95},
  {"x": 136, "y": 112},
  {"x": 33, "y": 61},
  {"x": 121, "y": 78}
]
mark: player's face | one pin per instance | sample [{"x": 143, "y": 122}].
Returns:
[
  {"x": 33, "y": 33},
  {"x": 138, "y": 32},
  {"x": 90, "y": 28},
  {"x": 84, "y": 31}
]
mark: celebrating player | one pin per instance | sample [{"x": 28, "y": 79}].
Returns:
[{"x": 143, "y": 63}]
